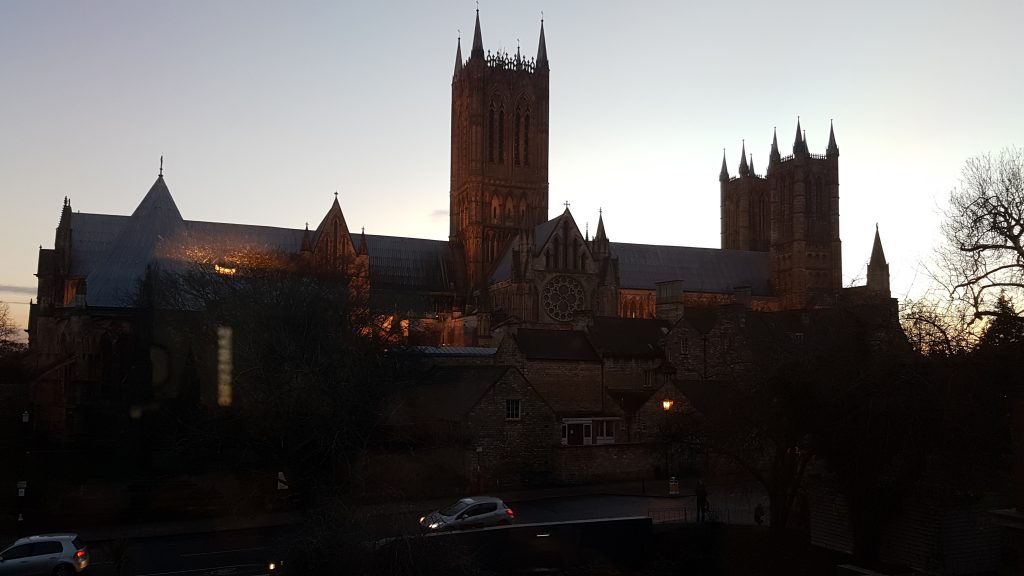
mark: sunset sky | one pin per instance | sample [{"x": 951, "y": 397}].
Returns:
[{"x": 263, "y": 110}]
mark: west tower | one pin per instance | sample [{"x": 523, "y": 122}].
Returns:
[{"x": 499, "y": 152}]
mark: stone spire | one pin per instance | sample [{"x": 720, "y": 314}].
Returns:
[
  {"x": 798, "y": 142},
  {"x": 878, "y": 269},
  {"x": 600, "y": 245},
  {"x": 877, "y": 253},
  {"x": 458, "y": 56},
  {"x": 478, "y": 40},
  {"x": 542, "y": 50},
  {"x": 723, "y": 176},
  {"x": 774, "y": 157},
  {"x": 362, "y": 249},
  {"x": 833, "y": 149},
  {"x": 744, "y": 168},
  {"x": 752, "y": 171}
]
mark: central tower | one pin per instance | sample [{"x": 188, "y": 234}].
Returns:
[{"x": 499, "y": 172}]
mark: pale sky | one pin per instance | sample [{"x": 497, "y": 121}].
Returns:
[{"x": 263, "y": 109}]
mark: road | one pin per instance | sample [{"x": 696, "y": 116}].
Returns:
[{"x": 246, "y": 552}]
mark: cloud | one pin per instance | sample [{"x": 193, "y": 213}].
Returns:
[
  {"x": 30, "y": 290},
  {"x": 438, "y": 214}
]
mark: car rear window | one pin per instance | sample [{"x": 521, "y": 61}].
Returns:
[{"x": 77, "y": 543}]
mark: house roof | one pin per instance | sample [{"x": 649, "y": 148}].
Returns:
[
  {"x": 628, "y": 337},
  {"x": 454, "y": 351},
  {"x": 445, "y": 393},
  {"x": 538, "y": 344}
]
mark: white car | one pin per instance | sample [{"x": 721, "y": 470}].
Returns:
[
  {"x": 475, "y": 512},
  {"x": 46, "y": 554}
]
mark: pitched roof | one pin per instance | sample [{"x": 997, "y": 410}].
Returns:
[
  {"x": 538, "y": 344},
  {"x": 701, "y": 269},
  {"x": 445, "y": 393},
  {"x": 628, "y": 337}
]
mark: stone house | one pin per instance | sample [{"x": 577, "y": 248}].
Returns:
[{"x": 502, "y": 429}]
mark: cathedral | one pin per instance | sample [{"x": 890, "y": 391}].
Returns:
[{"x": 507, "y": 264}]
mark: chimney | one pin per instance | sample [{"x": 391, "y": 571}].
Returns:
[{"x": 669, "y": 300}]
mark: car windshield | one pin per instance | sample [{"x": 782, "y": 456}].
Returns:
[{"x": 456, "y": 508}]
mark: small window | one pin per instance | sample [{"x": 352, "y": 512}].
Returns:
[
  {"x": 586, "y": 432},
  {"x": 512, "y": 409},
  {"x": 563, "y": 432}
]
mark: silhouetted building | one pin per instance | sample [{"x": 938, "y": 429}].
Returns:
[{"x": 506, "y": 270}]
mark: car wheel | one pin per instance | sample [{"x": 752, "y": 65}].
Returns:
[{"x": 63, "y": 570}]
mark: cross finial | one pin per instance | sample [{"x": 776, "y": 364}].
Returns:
[
  {"x": 161, "y": 166},
  {"x": 364, "y": 229},
  {"x": 335, "y": 194},
  {"x": 307, "y": 226},
  {"x": 566, "y": 204}
]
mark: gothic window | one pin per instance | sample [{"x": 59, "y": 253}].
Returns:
[
  {"x": 575, "y": 251},
  {"x": 515, "y": 141},
  {"x": 526, "y": 139},
  {"x": 510, "y": 210},
  {"x": 547, "y": 259},
  {"x": 558, "y": 252},
  {"x": 583, "y": 261},
  {"x": 501, "y": 134},
  {"x": 490, "y": 134},
  {"x": 495, "y": 210},
  {"x": 522, "y": 210},
  {"x": 334, "y": 243}
]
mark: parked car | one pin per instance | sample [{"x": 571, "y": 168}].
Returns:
[
  {"x": 46, "y": 554},
  {"x": 475, "y": 512}
]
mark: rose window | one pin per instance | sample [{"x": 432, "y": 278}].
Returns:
[{"x": 562, "y": 297}]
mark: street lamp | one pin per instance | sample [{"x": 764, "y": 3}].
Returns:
[{"x": 666, "y": 404}]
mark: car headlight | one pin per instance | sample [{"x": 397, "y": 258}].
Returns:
[
  {"x": 272, "y": 567},
  {"x": 422, "y": 518},
  {"x": 434, "y": 525}
]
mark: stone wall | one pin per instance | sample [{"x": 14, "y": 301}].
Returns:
[
  {"x": 507, "y": 452},
  {"x": 607, "y": 462}
]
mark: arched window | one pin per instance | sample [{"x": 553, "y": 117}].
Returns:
[
  {"x": 501, "y": 134},
  {"x": 515, "y": 141},
  {"x": 522, "y": 210},
  {"x": 495, "y": 210},
  {"x": 526, "y": 139},
  {"x": 490, "y": 134},
  {"x": 558, "y": 251}
]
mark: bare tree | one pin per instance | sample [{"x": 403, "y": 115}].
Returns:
[
  {"x": 937, "y": 326},
  {"x": 983, "y": 235},
  {"x": 9, "y": 342}
]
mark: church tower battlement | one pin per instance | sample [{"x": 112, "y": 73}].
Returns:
[
  {"x": 499, "y": 152},
  {"x": 793, "y": 213}
]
